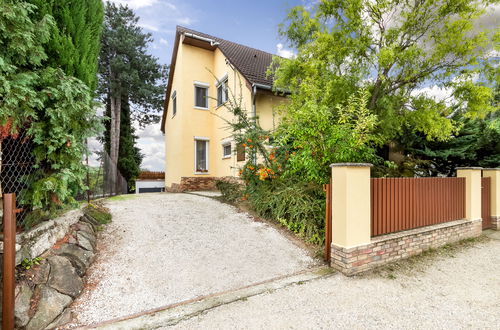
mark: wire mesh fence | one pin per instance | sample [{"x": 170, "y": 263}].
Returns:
[
  {"x": 17, "y": 170},
  {"x": 104, "y": 180}
]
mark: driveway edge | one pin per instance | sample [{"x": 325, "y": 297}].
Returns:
[{"x": 175, "y": 313}]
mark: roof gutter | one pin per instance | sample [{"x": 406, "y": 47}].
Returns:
[
  {"x": 261, "y": 86},
  {"x": 195, "y": 36}
]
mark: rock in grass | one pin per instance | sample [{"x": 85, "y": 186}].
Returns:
[
  {"x": 63, "y": 277},
  {"x": 51, "y": 304}
]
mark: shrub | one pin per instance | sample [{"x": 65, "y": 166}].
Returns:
[
  {"x": 231, "y": 192},
  {"x": 298, "y": 206}
]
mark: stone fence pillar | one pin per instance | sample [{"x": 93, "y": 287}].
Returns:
[
  {"x": 472, "y": 177},
  {"x": 351, "y": 204},
  {"x": 494, "y": 174}
]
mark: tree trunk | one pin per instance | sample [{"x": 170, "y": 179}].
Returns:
[{"x": 114, "y": 140}]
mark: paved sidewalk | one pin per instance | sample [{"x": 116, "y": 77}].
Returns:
[{"x": 461, "y": 291}]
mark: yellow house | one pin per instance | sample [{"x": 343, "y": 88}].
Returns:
[{"x": 199, "y": 146}]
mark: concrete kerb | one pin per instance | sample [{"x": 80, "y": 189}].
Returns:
[{"x": 173, "y": 314}]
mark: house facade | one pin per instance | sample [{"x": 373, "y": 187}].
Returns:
[{"x": 204, "y": 72}]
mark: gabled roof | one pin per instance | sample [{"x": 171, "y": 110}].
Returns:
[{"x": 250, "y": 62}]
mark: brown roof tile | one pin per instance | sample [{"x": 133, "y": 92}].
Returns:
[{"x": 251, "y": 62}]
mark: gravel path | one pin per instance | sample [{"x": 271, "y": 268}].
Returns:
[
  {"x": 165, "y": 248},
  {"x": 460, "y": 292}
]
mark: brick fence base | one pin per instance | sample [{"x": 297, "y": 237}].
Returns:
[
  {"x": 495, "y": 222},
  {"x": 391, "y": 247}
]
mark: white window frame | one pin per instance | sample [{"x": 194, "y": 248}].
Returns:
[
  {"x": 200, "y": 84},
  {"x": 207, "y": 140},
  {"x": 225, "y": 144},
  {"x": 220, "y": 83},
  {"x": 174, "y": 104}
]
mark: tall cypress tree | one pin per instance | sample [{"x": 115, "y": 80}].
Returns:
[{"x": 76, "y": 38}]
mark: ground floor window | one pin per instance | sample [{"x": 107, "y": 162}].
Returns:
[{"x": 201, "y": 155}]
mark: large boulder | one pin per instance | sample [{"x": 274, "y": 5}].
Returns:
[
  {"x": 22, "y": 303},
  {"x": 85, "y": 226},
  {"x": 86, "y": 240},
  {"x": 63, "y": 276},
  {"x": 79, "y": 257},
  {"x": 50, "y": 306}
]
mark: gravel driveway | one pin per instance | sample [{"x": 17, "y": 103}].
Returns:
[
  {"x": 165, "y": 248},
  {"x": 452, "y": 292}
]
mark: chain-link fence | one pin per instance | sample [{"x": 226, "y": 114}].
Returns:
[
  {"x": 17, "y": 169},
  {"x": 104, "y": 180}
]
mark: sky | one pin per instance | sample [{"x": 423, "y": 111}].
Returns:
[{"x": 252, "y": 23}]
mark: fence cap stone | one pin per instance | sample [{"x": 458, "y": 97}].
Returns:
[
  {"x": 469, "y": 168},
  {"x": 351, "y": 164},
  {"x": 491, "y": 169}
]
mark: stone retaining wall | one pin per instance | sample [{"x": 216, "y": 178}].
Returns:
[
  {"x": 32, "y": 243},
  {"x": 386, "y": 248},
  {"x": 45, "y": 291}
]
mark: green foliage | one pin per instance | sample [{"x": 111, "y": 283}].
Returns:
[
  {"x": 274, "y": 188},
  {"x": 231, "y": 192},
  {"x": 98, "y": 213},
  {"x": 319, "y": 135},
  {"x": 28, "y": 263},
  {"x": 476, "y": 144},
  {"x": 125, "y": 68},
  {"x": 393, "y": 49},
  {"x": 297, "y": 205},
  {"x": 55, "y": 109},
  {"x": 74, "y": 42}
]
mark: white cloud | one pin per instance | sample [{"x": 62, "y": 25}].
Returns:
[
  {"x": 436, "y": 92},
  {"x": 152, "y": 145},
  {"x": 163, "y": 41},
  {"x": 309, "y": 4},
  {"x": 185, "y": 21},
  {"x": 136, "y": 4},
  {"x": 149, "y": 27},
  {"x": 281, "y": 51}
]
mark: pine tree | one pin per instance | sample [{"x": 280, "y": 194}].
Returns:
[
  {"x": 127, "y": 72},
  {"x": 129, "y": 156}
]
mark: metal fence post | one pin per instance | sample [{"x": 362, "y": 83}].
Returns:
[{"x": 9, "y": 260}]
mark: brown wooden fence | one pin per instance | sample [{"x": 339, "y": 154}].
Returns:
[
  {"x": 486, "y": 202},
  {"x": 406, "y": 203}
]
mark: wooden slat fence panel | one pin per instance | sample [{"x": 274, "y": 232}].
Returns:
[
  {"x": 406, "y": 203},
  {"x": 486, "y": 202}
]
